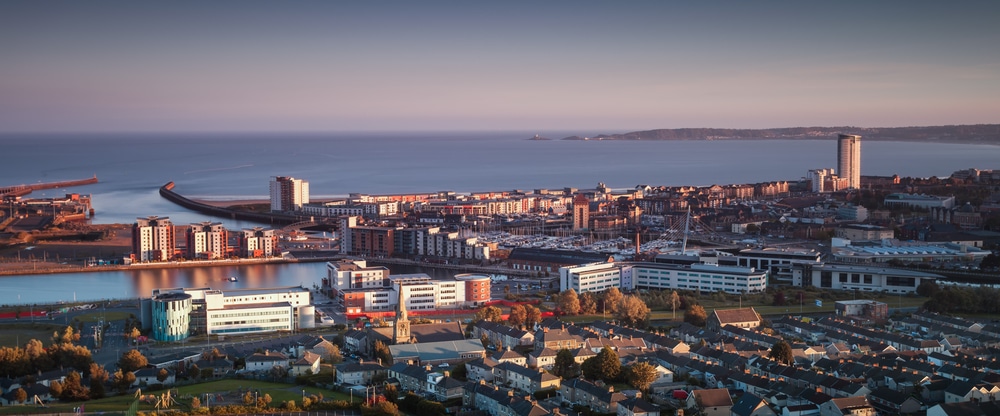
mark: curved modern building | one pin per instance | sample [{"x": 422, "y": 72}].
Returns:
[
  {"x": 171, "y": 313},
  {"x": 477, "y": 288},
  {"x": 849, "y": 159}
]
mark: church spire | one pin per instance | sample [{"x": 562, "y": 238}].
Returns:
[{"x": 402, "y": 330}]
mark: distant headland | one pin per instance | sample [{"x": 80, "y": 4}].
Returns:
[{"x": 964, "y": 134}]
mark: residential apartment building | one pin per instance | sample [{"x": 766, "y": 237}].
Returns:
[
  {"x": 153, "y": 239},
  {"x": 258, "y": 242},
  {"x": 207, "y": 241},
  {"x": 288, "y": 194},
  {"x": 849, "y": 159}
]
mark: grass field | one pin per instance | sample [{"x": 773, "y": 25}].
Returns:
[
  {"x": 18, "y": 334},
  {"x": 230, "y": 390}
]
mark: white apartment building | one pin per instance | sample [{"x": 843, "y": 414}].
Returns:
[
  {"x": 592, "y": 277},
  {"x": 258, "y": 242},
  {"x": 153, "y": 239},
  {"x": 207, "y": 240},
  {"x": 355, "y": 274},
  {"x": 288, "y": 194}
]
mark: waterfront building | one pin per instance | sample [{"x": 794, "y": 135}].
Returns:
[
  {"x": 153, "y": 239},
  {"x": 288, "y": 193},
  {"x": 355, "y": 274},
  {"x": 207, "y": 240},
  {"x": 849, "y": 159},
  {"x": 175, "y": 313},
  {"x": 258, "y": 242},
  {"x": 818, "y": 177},
  {"x": 581, "y": 212},
  {"x": 372, "y": 241}
]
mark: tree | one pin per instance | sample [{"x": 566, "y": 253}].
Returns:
[
  {"x": 696, "y": 315},
  {"x": 489, "y": 313},
  {"x": 517, "y": 315},
  {"x": 20, "y": 395},
  {"x": 123, "y": 380},
  {"x": 675, "y": 301},
  {"x": 565, "y": 365},
  {"x": 132, "y": 360},
  {"x": 612, "y": 298},
  {"x": 641, "y": 375},
  {"x": 781, "y": 352},
  {"x": 588, "y": 303},
  {"x": 383, "y": 354},
  {"x": 391, "y": 393},
  {"x": 385, "y": 408},
  {"x": 335, "y": 356},
  {"x": 98, "y": 376},
  {"x": 633, "y": 311},
  {"x": 195, "y": 402},
  {"x": 568, "y": 302},
  {"x": 55, "y": 388},
  {"x": 533, "y": 315},
  {"x": 73, "y": 389},
  {"x": 162, "y": 375},
  {"x": 779, "y": 298},
  {"x": 193, "y": 372},
  {"x": 928, "y": 288},
  {"x": 604, "y": 366}
]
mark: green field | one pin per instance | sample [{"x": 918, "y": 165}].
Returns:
[
  {"x": 229, "y": 389},
  {"x": 18, "y": 334}
]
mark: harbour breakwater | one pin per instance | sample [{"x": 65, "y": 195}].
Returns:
[
  {"x": 22, "y": 190},
  {"x": 167, "y": 192}
]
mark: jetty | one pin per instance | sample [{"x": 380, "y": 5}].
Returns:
[
  {"x": 22, "y": 190},
  {"x": 167, "y": 192}
]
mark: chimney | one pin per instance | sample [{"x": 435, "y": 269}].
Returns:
[
  {"x": 428, "y": 367},
  {"x": 447, "y": 373},
  {"x": 510, "y": 393},
  {"x": 482, "y": 382}
]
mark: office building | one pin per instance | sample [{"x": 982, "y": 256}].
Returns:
[
  {"x": 153, "y": 239},
  {"x": 174, "y": 314},
  {"x": 849, "y": 159},
  {"x": 288, "y": 194},
  {"x": 862, "y": 278},
  {"x": 419, "y": 291},
  {"x": 207, "y": 241}
]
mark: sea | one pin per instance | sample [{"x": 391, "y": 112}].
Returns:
[{"x": 234, "y": 166}]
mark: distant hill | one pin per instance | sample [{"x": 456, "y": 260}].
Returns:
[{"x": 966, "y": 134}]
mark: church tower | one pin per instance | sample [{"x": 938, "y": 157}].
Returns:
[{"x": 402, "y": 329}]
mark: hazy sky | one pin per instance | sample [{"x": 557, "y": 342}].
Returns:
[{"x": 589, "y": 67}]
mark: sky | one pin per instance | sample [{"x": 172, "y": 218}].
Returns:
[{"x": 585, "y": 66}]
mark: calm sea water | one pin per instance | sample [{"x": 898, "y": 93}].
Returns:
[
  {"x": 131, "y": 168},
  {"x": 214, "y": 166}
]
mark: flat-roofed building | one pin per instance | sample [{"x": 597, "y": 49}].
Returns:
[
  {"x": 702, "y": 277},
  {"x": 919, "y": 201},
  {"x": 236, "y": 311},
  {"x": 595, "y": 277},
  {"x": 866, "y": 278},
  {"x": 207, "y": 240}
]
